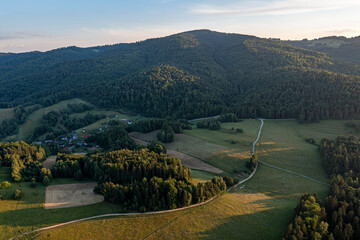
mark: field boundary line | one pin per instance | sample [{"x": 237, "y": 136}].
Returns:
[{"x": 298, "y": 174}]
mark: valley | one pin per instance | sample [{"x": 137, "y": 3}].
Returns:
[
  {"x": 197, "y": 135},
  {"x": 266, "y": 200}
]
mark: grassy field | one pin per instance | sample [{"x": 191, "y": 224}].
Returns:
[
  {"x": 202, "y": 176},
  {"x": 236, "y": 146},
  {"x": 28, "y": 213},
  {"x": 6, "y": 113},
  {"x": 260, "y": 209},
  {"x": 34, "y": 119},
  {"x": 214, "y": 147},
  {"x": 110, "y": 115}
]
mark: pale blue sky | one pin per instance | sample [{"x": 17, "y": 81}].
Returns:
[{"x": 27, "y": 25}]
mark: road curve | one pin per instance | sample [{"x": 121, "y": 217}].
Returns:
[
  {"x": 154, "y": 212},
  {"x": 258, "y": 136}
]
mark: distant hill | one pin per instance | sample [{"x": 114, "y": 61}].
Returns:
[
  {"x": 347, "y": 49},
  {"x": 188, "y": 75}
]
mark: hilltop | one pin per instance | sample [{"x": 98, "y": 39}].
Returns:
[{"x": 189, "y": 75}]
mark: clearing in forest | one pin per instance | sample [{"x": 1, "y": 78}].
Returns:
[
  {"x": 6, "y": 113},
  {"x": 186, "y": 144},
  {"x": 193, "y": 163},
  {"x": 71, "y": 195},
  {"x": 49, "y": 162}
]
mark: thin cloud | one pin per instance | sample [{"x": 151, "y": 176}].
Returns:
[
  {"x": 277, "y": 7},
  {"x": 17, "y": 35},
  {"x": 131, "y": 35}
]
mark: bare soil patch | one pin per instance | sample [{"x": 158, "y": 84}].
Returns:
[
  {"x": 71, "y": 195},
  {"x": 147, "y": 137},
  {"x": 193, "y": 163},
  {"x": 139, "y": 141},
  {"x": 49, "y": 162}
]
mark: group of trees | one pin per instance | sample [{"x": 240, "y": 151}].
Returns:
[
  {"x": 68, "y": 166},
  {"x": 140, "y": 179},
  {"x": 49, "y": 121},
  {"x": 57, "y": 123},
  {"x": 24, "y": 160},
  {"x": 228, "y": 117},
  {"x": 73, "y": 123},
  {"x": 152, "y": 124},
  {"x": 310, "y": 220},
  {"x": 166, "y": 134},
  {"x": 338, "y": 217},
  {"x": 211, "y": 124},
  {"x": 253, "y": 161},
  {"x": 10, "y": 126},
  {"x": 158, "y": 194},
  {"x": 341, "y": 155},
  {"x": 114, "y": 138},
  {"x": 168, "y": 127},
  {"x": 160, "y": 182}
]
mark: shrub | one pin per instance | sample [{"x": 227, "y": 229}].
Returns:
[
  {"x": 310, "y": 140},
  {"x": 46, "y": 181},
  {"x": 215, "y": 125},
  {"x": 239, "y": 130},
  {"x": 33, "y": 183},
  {"x": 5, "y": 185},
  {"x": 17, "y": 194},
  {"x": 156, "y": 147}
]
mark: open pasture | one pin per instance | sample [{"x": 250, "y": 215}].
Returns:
[{"x": 266, "y": 201}]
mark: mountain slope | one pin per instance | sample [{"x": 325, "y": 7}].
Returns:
[
  {"x": 191, "y": 74},
  {"x": 347, "y": 49}
]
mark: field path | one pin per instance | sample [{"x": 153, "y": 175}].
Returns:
[
  {"x": 154, "y": 212},
  {"x": 283, "y": 169},
  {"x": 49, "y": 162},
  {"x": 289, "y": 171},
  {"x": 204, "y": 118}
]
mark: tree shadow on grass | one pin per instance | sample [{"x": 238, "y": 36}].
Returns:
[{"x": 266, "y": 224}]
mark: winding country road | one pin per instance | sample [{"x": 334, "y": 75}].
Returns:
[
  {"x": 154, "y": 212},
  {"x": 178, "y": 209},
  {"x": 279, "y": 168}
]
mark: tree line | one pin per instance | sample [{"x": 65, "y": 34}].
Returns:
[
  {"x": 140, "y": 179},
  {"x": 10, "y": 126},
  {"x": 114, "y": 138},
  {"x": 57, "y": 123},
  {"x": 24, "y": 160},
  {"x": 338, "y": 217}
]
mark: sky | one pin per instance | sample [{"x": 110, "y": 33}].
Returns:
[{"x": 29, "y": 25}]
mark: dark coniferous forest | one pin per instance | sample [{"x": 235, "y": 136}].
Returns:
[
  {"x": 338, "y": 217},
  {"x": 189, "y": 75}
]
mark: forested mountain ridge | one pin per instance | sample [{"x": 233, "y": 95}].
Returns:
[
  {"x": 187, "y": 75},
  {"x": 344, "y": 48}
]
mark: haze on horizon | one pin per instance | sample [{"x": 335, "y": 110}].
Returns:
[{"x": 28, "y": 25}]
